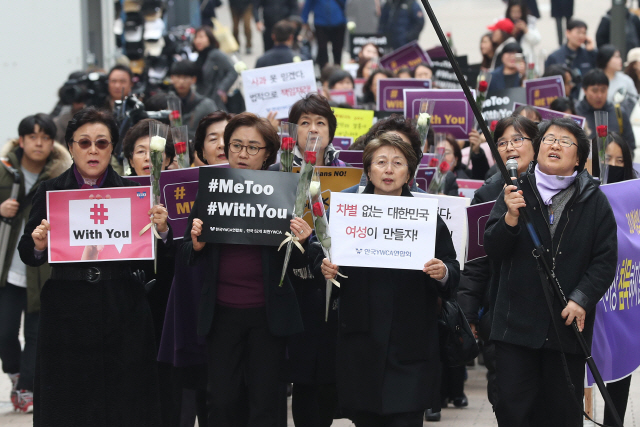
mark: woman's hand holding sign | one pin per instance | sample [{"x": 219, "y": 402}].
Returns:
[
  {"x": 196, "y": 231},
  {"x": 39, "y": 235}
]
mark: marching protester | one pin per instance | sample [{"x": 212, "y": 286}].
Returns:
[
  {"x": 401, "y": 21},
  {"x": 610, "y": 61},
  {"x": 32, "y": 159},
  {"x": 96, "y": 339},
  {"x": 501, "y": 35},
  {"x": 330, "y": 22},
  {"x": 535, "y": 346},
  {"x": 283, "y": 33},
  {"x": 524, "y": 27},
  {"x": 508, "y": 74}
]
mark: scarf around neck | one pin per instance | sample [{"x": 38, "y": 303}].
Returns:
[{"x": 550, "y": 185}]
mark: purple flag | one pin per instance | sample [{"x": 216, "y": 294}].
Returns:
[
  {"x": 408, "y": 55},
  {"x": 477, "y": 216},
  {"x": 390, "y": 95},
  {"x": 547, "y": 114},
  {"x": 541, "y": 92},
  {"x": 452, "y": 113},
  {"x": 616, "y": 347}
]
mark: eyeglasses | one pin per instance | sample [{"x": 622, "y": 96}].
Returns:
[
  {"x": 251, "y": 149},
  {"x": 564, "y": 142},
  {"x": 85, "y": 143},
  {"x": 515, "y": 142},
  {"x": 395, "y": 164}
]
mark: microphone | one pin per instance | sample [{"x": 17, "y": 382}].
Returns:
[{"x": 512, "y": 167}]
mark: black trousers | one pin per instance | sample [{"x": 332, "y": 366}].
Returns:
[
  {"x": 369, "y": 419},
  {"x": 13, "y": 302},
  {"x": 452, "y": 386},
  {"x": 313, "y": 405},
  {"x": 533, "y": 389},
  {"x": 619, "y": 392},
  {"x": 243, "y": 356},
  {"x": 324, "y": 35}
]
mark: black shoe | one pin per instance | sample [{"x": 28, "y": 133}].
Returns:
[
  {"x": 431, "y": 416},
  {"x": 460, "y": 402}
]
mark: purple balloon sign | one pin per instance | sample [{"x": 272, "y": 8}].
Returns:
[
  {"x": 408, "y": 55},
  {"x": 542, "y": 92},
  {"x": 390, "y": 95},
  {"x": 452, "y": 113}
]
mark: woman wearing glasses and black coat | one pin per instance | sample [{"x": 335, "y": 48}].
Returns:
[
  {"x": 96, "y": 357},
  {"x": 578, "y": 230}
]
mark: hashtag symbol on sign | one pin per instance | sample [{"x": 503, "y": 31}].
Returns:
[
  {"x": 211, "y": 209},
  {"x": 99, "y": 214},
  {"x": 179, "y": 193},
  {"x": 213, "y": 185}
]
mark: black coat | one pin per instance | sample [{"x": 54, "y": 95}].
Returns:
[
  {"x": 96, "y": 360},
  {"x": 283, "y": 314},
  {"x": 388, "y": 358},
  {"x": 277, "y": 55},
  {"x": 584, "y": 250},
  {"x": 562, "y": 8},
  {"x": 274, "y": 10}
]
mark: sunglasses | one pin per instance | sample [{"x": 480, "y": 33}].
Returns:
[{"x": 85, "y": 143}]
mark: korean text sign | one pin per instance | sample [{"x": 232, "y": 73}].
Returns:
[
  {"x": 353, "y": 123},
  {"x": 84, "y": 221},
  {"x": 278, "y": 87},
  {"x": 245, "y": 206},
  {"x": 369, "y": 230}
]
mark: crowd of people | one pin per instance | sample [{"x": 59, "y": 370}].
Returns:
[{"x": 211, "y": 332}]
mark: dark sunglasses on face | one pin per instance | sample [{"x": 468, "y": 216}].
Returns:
[{"x": 85, "y": 143}]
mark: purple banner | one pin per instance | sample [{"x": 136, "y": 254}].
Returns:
[
  {"x": 408, "y": 55},
  {"x": 547, "y": 114},
  {"x": 452, "y": 113},
  {"x": 477, "y": 216},
  {"x": 542, "y": 92},
  {"x": 424, "y": 176},
  {"x": 616, "y": 347},
  {"x": 342, "y": 142},
  {"x": 390, "y": 95},
  {"x": 354, "y": 158}
]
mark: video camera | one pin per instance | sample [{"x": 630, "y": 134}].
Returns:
[{"x": 88, "y": 88}]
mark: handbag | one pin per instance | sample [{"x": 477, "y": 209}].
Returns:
[{"x": 456, "y": 338}]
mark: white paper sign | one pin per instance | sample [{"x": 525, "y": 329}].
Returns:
[
  {"x": 369, "y": 230},
  {"x": 100, "y": 222},
  {"x": 453, "y": 211},
  {"x": 277, "y": 88}
]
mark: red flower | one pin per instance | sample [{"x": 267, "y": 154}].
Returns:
[
  {"x": 310, "y": 157},
  {"x": 433, "y": 162},
  {"x": 175, "y": 114},
  {"x": 483, "y": 86},
  {"x": 317, "y": 209},
  {"x": 493, "y": 125},
  {"x": 602, "y": 131},
  {"x": 181, "y": 147},
  {"x": 287, "y": 143},
  {"x": 444, "y": 167}
]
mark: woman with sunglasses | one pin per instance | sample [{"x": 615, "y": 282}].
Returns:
[
  {"x": 576, "y": 226},
  {"x": 96, "y": 357},
  {"x": 244, "y": 315}
]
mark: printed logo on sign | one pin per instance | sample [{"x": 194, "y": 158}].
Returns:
[
  {"x": 104, "y": 222},
  {"x": 142, "y": 194},
  {"x": 358, "y": 251}
]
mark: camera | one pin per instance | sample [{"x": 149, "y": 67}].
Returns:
[{"x": 88, "y": 88}]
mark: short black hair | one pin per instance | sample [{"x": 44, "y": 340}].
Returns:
[
  {"x": 576, "y": 23},
  {"x": 262, "y": 125},
  {"x": 571, "y": 126},
  {"x": 520, "y": 124},
  {"x": 201, "y": 131},
  {"x": 627, "y": 158},
  {"x": 184, "y": 68},
  {"x": 422, "y": 64},
  {"x": 44, "y": 121},
  {"x": 140, "y": 130},
  {"x": 121, "y": 68},
  {"x": 563, "y": 104},
  {"x": 595, "y": 77},
  {"x": 92, "y": 115},
  {"x": 512, "y": 47},
  {"x": 283, "y": 30},
  {"x": 157, "y": 102},
  {"x": 556, "y": 70},
  {"x": 337, "y": 76},
  {"x": 605, "y": 53},
  {"x": 367, "y": 85},
  {"x": 395, "y": 123},
  {"x": 314, "y": 104}
]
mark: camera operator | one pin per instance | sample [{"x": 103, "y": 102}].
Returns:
[{"x": 120, "y": 81}]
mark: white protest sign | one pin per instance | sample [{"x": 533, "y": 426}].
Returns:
[
  {"x": 100, "y": 222},
  {"x": 453, "y": 211},
  {"x": 369, "y": 230},
  {"x": 277, "y": 88}
]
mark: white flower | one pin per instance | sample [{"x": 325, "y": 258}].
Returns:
[
  {"x": 423, "y": 119},
  {"x": 240, "y": 66},
  {"x": 314, "y": 188},
  {"x": 351, "y": 26},
  {"x": 157, "y": 143},
  {"x": 296, "y": 59}
]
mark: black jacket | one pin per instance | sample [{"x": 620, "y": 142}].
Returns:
[
  {"x": 277, "y": 55},
  {"x": 283, "y": 314},
  {"x": 274, "y": 10},
  {"x": 584, "y": 251},
  {"x": 584, "y": 109},
  {"x": 388, "y": 351}
]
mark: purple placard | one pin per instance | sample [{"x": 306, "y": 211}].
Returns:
[
  {"x": 615, "y": 347},
  {"x": 342, "y": 143},
  {"x": 452, "y": 113},
  {"x": 408, "y": 55},
  {"x": 548, "y": 114},
  {"x": 426, "y": 158},
  {"x": 354, "y": 158},
  {"x": 390, "y": 96},
  {"x": 424, "y": 176},
  {"x": 477, "y": 216},
  {"x": 541, "y": 92}
]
